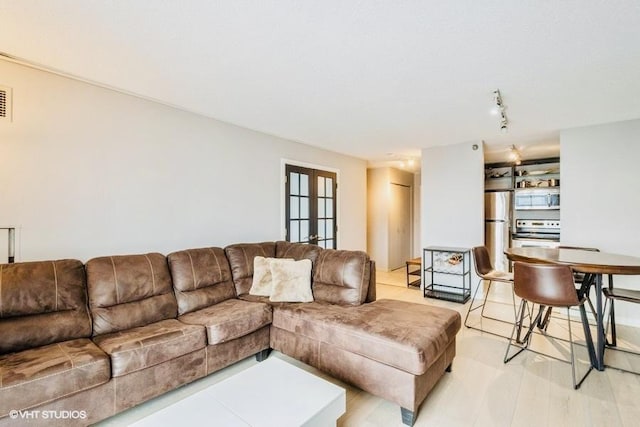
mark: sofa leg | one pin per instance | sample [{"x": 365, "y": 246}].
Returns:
[
  {"x": 449, "y": 367},
  {"x": 408, "y": 417},
  {"x": 262, "y": 355}
]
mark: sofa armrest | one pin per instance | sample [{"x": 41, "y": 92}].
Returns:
[{"x": 371, "y": 293}]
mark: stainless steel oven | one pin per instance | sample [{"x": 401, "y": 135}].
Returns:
[
  {"x": 537, "y": 199},
  {"x": 537, "y": 233}
]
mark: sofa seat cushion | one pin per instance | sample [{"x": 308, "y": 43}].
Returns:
[
  {"x": 230, "y": 319},
  {"x": 404, "y": 335},
  {"x": 43, "y": 374},
  {"x": 145, "y": 346}
]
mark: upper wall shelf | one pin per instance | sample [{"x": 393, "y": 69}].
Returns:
[{"x": 529, "y": 174}]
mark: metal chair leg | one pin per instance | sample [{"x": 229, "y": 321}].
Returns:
[
  {"x": 587, "y": 332},
  {"x": 472, "y": 301},
  {"x": 612, "y": 316},
  {"x": 517, "y": 325},
  {"x": 484, "y": 304}
]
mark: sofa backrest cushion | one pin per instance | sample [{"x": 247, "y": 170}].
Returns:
[
  {"x": 201, "y": 278},
  {"x": 341, "y": 277},
  {"x": 297, "y": 251},
  {"x": 240, "y": 258},
  {"x": 129, "y": 291},
  {"x": 42, "y": 303}
]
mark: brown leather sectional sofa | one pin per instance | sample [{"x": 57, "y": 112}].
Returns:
[{"x": 79, "y": 343}]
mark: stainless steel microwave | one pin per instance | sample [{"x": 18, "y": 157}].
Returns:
[{"x": 537, "y": 199}]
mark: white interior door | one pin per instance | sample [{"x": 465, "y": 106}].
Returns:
[{"x": 399, "y": 226}]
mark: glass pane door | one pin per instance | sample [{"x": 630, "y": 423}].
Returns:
[{"x": 311, "y": 206}]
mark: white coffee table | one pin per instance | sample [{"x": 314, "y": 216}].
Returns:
[{"x": 271, "y": 393}]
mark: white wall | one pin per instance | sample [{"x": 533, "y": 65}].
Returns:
[
  {"x": 86, "y": 171},
  {"x": 600, "y": 175},
  {"x": 453, "y": 195}
]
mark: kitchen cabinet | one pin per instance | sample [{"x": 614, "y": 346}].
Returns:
[{"x": 447, "y": 273}]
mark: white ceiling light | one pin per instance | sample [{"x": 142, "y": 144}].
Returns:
[{"x": 515, "y": 155}]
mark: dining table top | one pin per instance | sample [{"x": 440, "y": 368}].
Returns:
[{"x": 584, "y": 261}]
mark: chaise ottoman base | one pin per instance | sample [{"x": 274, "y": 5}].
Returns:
[{"x": 406, "y": 387}]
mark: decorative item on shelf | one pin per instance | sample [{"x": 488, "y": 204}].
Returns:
[
  {"x": 497, "y": 174},
  {"x": 455, "y": 259}
]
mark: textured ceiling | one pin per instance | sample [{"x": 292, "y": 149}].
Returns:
[{"x": 366, "y": 78}]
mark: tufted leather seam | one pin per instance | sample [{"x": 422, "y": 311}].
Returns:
[
  {"x": 115, "y": 279},
  {"x": 193, "y": 270},
  {"x": 157, "y": 343},
  {"x": 66, "y": 354},
  {"x": 246, "y": 260},
  {"x": 344, "y": 267},
  {"x": 217, "y": 262},
  {"x": 55, "y": 280},
  {"x": 153, "y": 275},
  {"x": 53, "y": 375}
]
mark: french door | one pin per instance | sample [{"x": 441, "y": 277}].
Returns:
[{"x": 311, "y": 206}]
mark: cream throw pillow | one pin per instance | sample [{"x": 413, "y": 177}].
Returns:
[
  {"x": 262, "y": 283},
  {"x": 291, "y": 280}
]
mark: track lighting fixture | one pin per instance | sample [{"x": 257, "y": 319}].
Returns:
[{"x": 499, "y": 109}]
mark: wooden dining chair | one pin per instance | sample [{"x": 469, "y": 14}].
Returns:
[
  {"x": 485, "y": 271},
  {"x": 551, "y": 286}
]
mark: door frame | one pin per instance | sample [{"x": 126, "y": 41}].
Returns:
[{"x": 283, "y": 196}]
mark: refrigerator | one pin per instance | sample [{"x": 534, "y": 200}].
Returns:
[{"x": 497, "y": 227}]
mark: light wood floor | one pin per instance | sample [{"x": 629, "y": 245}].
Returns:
[{"x": 531, "y": 390}]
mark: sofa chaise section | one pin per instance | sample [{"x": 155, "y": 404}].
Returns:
[{"x": 393, "y": 349}]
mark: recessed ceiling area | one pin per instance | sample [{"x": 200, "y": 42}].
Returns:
[{"x": 360, "y": 78}]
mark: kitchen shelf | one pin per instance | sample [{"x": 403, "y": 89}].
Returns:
[
  {"x": 532, "y": 172},
  {"x": 445, "y": 278},
  {"x": 498, "y": 177}
]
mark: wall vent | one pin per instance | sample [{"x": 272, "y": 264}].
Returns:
[{"x": 5, "y": 104}]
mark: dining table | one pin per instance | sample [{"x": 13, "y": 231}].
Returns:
[{"x": 594, "y": 265}]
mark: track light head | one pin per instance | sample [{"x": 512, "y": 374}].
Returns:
[{"x": 499, "y": 109}]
